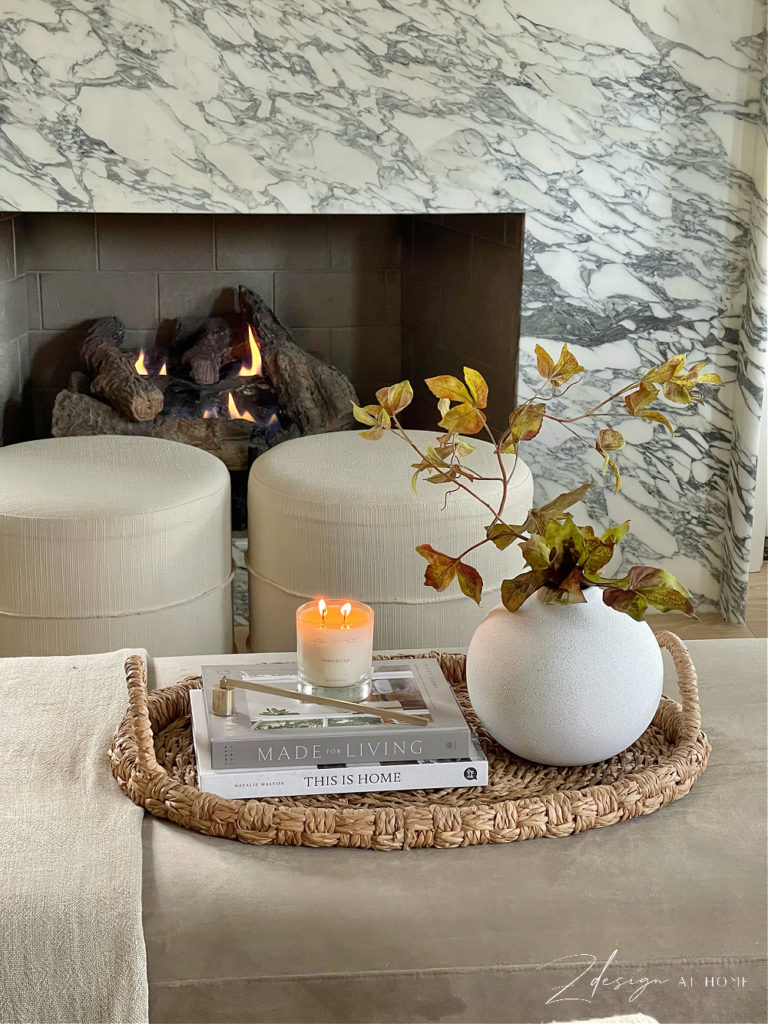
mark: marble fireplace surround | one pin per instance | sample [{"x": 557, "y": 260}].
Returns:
[{"x": 629, "y": 132}]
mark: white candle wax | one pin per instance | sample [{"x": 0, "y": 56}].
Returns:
[{"x": 334, "y": 643}]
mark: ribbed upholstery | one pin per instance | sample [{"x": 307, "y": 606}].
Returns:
[
  {"x": 109, "y": 542},
  {"x": 335, "y": 515}
]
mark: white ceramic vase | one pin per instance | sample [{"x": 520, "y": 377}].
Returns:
[{"x": 564, "y": 684}]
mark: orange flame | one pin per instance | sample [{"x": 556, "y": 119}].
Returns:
[
  {"x": 208, "y": 414},
  {"x": 254, "y": 370},
  {"x": 346, "y": 610},
  {"x": 163, "y": 370},
  {"x": 140, "y": 366},
  {"x": 235, "y": 413},
  {"x": 322, "y": 607}
]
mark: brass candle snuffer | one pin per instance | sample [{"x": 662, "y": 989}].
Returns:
[{"x": 224, "y": 701}]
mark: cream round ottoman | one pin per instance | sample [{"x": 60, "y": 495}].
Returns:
[
  {"x": 111, "y": 542},
  {"x": 334, "y": 515}
]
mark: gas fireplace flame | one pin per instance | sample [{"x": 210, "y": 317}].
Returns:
[
  {"x": 210, "y": 414},
  {"x": 234, "y": 412},
  {"x": 140, "y": 366},
  {"x": 322, "y": 608},
  {"x": 346, "y": 609},
  {"x": 254, "y": 370}
]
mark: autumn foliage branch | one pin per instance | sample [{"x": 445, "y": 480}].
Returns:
[{"x": 562, "y": 559}]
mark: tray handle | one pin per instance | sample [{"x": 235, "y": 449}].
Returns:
[
  {"x": 138, "y": 713},
  {"x": 687, "y": 681}
]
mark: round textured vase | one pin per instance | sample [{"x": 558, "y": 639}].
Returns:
[{"x": 564, "y": 684}]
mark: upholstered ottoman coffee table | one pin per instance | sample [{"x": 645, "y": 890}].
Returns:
[
  {"x": 111, "y": 542},
  {"x": 335, "y": 515},
  {"x": 665, "y": 914}
]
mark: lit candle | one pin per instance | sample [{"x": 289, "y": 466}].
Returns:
[{"x": 334, "y": 643}]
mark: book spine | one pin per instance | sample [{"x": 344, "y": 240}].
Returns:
[
  {"x": 371, "y": 778},
  {"x": 427, "y": 744}
]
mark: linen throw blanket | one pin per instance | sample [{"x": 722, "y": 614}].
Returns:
[{"x": 71, "y": 940}]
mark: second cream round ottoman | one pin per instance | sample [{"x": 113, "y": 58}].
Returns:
[
  {"x": 112, "y": 542},
  {"x": 334, "y": 515}
]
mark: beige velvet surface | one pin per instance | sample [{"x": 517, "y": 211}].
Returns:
[
  {"x": 239, "y": 933},
  {"x": 334, "y": 514},
  {"x": 113, "y": 541}
]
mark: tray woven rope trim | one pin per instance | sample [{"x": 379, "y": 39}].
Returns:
[{"x": 153, "y": 761}]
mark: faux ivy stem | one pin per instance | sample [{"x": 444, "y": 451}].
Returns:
[
  {"x": 479, "y": 544},
  {"x": 401, "y": 433},
  {"x": 574, "y": 419}
]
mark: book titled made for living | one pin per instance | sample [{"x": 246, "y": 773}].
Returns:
[
  {"x": 267, "y": 731},
  {"x": 255, "y": 783}
]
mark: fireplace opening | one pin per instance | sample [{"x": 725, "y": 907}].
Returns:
[{"x": 378, "y": 297}]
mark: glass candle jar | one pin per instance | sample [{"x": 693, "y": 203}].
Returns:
[{"x": 334, "y": 643}]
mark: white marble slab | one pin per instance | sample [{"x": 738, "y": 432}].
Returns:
[{"x": 628, "y": 131}]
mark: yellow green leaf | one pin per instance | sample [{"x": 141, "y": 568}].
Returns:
[
  {"x": 463, "y": 419},
  {"x": 396, "y": 397},
  {"x": 362, "y": 415},
  {"x": 665, "y": 372},
  {"x": 446, "y": 386},
  {"x": 545, "y": 364},
  {"x": 463, "y": 448},
  {"x": 539, "y": 517},
  {"x": 431, "y": 460},
  {"x": 597, "y": 553},
  {"x": 515, "y": 591},
  {"x": 635, "y": 401},
  {"x": 502, "y": 535},
  {"x": 561, "y": 532},
  {"x": 536, "y": 552},
  {"x": 660, "y": 588},
  {"x": 525, "y": 421},
  {"x": 608, "y": 462},
  {"x": 441, "y": 569},
  {"x": 616, "y": 534},
  {"x": 371, "y": 415},
  {"x": 443, "y": 406},
  {"x": 710, "y": 378},
  {"x": 374, "y": 433},
  {"x": 470, "y": 581},
  {"x": 657, "y": 417},
  {"x": 567, "y": 366},
  {"x": 627, "y": 601},
  {"x": 444, "y": 476},
  {"x": 610, "y": 441},
  {"x": 477, "y": 387},
  {"x": 676, "y": 392}
]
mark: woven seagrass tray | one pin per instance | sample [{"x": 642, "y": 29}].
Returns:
[{"x": 154, "y": 762}]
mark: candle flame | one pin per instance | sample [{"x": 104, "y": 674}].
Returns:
[
  {"x": 163, "y": 370},
  {"x": 235, "y": 413},
  {"x": 322, "y": 607},
  {"x": 140, "y": 366},
  {"x": 346, "y": 609},
  {"x": 254, "y": 370}
]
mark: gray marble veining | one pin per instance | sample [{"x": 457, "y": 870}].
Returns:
[{"x": 630, "y": 133}]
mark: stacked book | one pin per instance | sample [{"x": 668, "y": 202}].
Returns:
[{"x": 279, "y": 746}]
